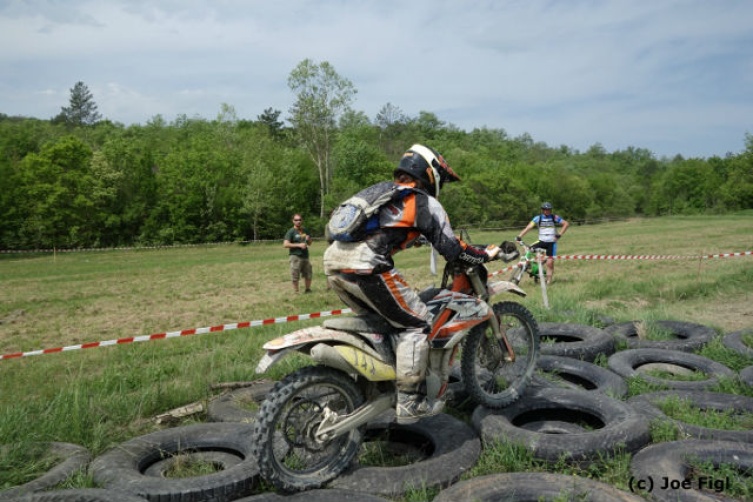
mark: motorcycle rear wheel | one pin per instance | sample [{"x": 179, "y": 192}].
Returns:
[
  {"x": 490, "y": 375},
  {"x": 289, "y": 455}
]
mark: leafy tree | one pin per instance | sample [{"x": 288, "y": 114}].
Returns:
[
  {"x": 277, "y": 182},
  {"x": 195, "y": 180},
  {"x": 738, "y": 186},
  {"x": 321, "y": 97},
  {"x": 428, "y": 124},
  {"x": 82, "y": 109},
  {"x": 64, "y": 195},
  {"x": 392, "y": 124}
]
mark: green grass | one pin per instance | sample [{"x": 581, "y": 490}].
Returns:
[
  {"x": 103, "y": 396},
  {"x": 724, "y": 479}
]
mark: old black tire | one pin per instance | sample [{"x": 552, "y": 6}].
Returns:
[
  {"x": 123, "y": 467},
  {"x": 565, "y": 372},
  {"x": 746, "y": 375},
  {"x": 239, "y": 405},
  {"x": 735, "y": 342},
  {"x": 628, "y": 363},
  {"x": 611, "y": 425},
  {"x": 450, "y": 446},
  {"x": 674, "y": 460},
  {"x": 533, "y": 487},
  {"x": 320, "y": 495},
  {"x": 71, "y": 458},
  {"x": 488, "y": 378},
  {"x": 687, "y": 336},
  {"x": 650, "y": 405},
  {"x": 80, "y": 495},
  {"x": 279, "y": 444},
  {"x": 576, "y": 341}
]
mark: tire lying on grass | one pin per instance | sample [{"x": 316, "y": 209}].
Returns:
[
  {"x": 576, "y": 341},
  {"x": 80, "y": 495},
  {"x": 632, "y": 363},
  {"x": 565, "y": 372},
  {"x": 125, "y": 466},
  {"x": 71, "y": 458},
  {"x": 746, "y": 375},
  {"x": 735, "y": 342},
  {"x": 554, "y": 427},
  {"x": 448, "y": 446},
  {"x": 676, "y": 460},
  {"x": 533, "y": 487},
  {"x": 318, "y": 495},
  {"x": 650, "y": 405},
  {"x": 238, "y": 405},
  {"x": 609, "y": 425},
  {"x": 217, "y": 459},
  {"x": 686, "y": 336}
]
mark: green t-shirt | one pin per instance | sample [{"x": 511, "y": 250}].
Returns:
[{"x": 293, "y": 236}]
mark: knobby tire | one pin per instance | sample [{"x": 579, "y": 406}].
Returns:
[
  {"x": 489, "y": 379},
  {"x": 280, "y": 455}
]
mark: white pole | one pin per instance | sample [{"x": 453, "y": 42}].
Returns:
[{"x": 542, "y": 280}]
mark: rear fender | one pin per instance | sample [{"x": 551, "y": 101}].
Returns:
[{"x": 303, "y": 339}]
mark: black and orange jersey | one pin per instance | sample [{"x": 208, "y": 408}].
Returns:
[{"x": 401, "y": 223}]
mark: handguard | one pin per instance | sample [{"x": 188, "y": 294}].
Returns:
[{"x": 508, "y": 251}]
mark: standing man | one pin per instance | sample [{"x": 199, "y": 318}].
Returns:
[
  {"x": 297, "y": 241},
  {"x": 548, "y": 236}
]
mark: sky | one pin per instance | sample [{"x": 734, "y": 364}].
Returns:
[{"x": 670, "y": 76}]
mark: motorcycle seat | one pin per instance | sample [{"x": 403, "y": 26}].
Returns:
[{"x": 368, "y": 323}]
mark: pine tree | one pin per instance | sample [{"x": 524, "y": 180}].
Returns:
[{"x": 82, "y": 110}]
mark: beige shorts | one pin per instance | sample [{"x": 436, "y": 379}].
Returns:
[{"x": 300, "y": 267}]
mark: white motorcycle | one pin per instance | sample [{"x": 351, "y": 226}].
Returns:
[{"x": 310, "y": 427}]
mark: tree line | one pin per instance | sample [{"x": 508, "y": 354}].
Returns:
[{"x": 78, "y": 180}]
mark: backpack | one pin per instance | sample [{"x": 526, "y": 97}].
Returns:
[{"x": 358, "y": 216}]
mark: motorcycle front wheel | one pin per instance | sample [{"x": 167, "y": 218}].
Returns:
[
  {"x": 290, "y": 455},
  {"x": 496, "y": 371}
]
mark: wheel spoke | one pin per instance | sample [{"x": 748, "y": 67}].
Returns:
[
  {"x": 291, "y": 454},
  {"x": 496, "y": 371}
]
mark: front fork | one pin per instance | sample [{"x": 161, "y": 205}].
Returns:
[{"x": 480, "y": 288}]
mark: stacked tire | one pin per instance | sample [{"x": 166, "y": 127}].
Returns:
[{"x": 575, "y": 411}]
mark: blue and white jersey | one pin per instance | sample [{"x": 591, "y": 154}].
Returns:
[{"x": 547, "y": 226}]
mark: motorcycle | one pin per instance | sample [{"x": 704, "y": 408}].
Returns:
[
  {"x": 531, "y": 263},
  {"x": 311, "y": 425}
]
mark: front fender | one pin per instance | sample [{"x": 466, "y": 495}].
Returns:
[{"x": 494, "y": 288}]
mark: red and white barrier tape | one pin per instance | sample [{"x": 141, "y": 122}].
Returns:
[
  {"x": 637, "y": 257},
  {"x": 314, "y": 315},
  {"x": 651, "y": 257},
  {"x": 174, "y": 334}
]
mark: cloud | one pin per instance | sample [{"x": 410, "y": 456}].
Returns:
[{"x": 674, "y": 74}]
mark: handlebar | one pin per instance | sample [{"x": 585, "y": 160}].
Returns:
[{"x": 527, "y": 248}]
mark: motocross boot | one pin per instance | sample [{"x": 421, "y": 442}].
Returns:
[
  {"x": 412, "y": 356},
  {"x": 411, "y": 407}
]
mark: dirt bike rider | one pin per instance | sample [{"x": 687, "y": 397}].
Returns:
[{"x": 364, "y": 276}]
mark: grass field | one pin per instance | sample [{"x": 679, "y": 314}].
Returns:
[{"x": 99, "y": 397}]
